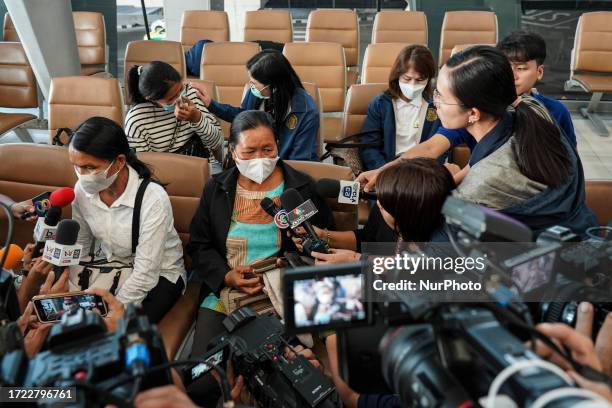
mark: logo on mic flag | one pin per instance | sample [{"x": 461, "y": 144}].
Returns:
[
  {"x": 301, "y": 213},
  {"x": 281, "y": 220},
  {"x": 349, "y": 192}
]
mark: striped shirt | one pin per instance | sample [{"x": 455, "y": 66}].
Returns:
[{"x": 150, "y": 128}]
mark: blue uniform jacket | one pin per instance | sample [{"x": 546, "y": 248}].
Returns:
[
  {"x": 382, "y": 116},
  {"x": 297, "y": 135}
]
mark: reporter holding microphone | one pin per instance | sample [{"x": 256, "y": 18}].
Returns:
[{"x": 110, "y": 176}]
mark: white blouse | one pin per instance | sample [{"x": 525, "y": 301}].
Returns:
[{"x": 409, "y": 121}]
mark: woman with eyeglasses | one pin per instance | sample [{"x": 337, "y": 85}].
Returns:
[
  {"x": 276, "y": 89},
  {"x": 521, "y": 164}
]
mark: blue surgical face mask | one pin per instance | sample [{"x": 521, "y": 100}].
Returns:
[
  {"x": 169, "y": 107},
  {"x": 257, "y": 93}
]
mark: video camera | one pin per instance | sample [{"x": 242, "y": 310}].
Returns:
[
  {"x": 255, "y": 345},
  {"x": 433, "y": 352},
  {"x": 99, "y": 365}
]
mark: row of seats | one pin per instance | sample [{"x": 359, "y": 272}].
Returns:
[
  {"x": 90, "y": 33},
  {"x": 24, "y": 173}
]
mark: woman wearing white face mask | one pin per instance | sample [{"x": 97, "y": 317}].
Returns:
[
  {"x": 148, "y": 270},
  {"x": 405, "y": 113},
  {"x": 230, "y": 230}
]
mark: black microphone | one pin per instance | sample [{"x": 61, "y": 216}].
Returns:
[
  {"x": 45, "y": 229},
  {"x": 347, "y": 192},
  {"x": 291, "y": 199}
]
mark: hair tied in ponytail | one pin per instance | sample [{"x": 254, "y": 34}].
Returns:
[{"x": 139, "y": 70}]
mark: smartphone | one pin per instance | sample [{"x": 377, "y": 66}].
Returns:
[
  {"x": 50, "y": 308},
  {"x": 260, "y": 267}
]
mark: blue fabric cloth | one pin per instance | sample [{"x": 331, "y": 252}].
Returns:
[
  {"x": 297, "y": 135},
  {"x": 193, "y": 57},
  {"x": 382, "y": 116},
  {"x": 559, "y": 113}
]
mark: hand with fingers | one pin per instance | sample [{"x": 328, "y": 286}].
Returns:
[
  {"x": 186, "y": 110},
  {"x": 19, "y": 209},
  {"x": 27, "y": 260},
  {"x": 582, "y": 350},
  {"x": 31, "y": 284},
  {"x": 241, "y": 278},
  {"x": 202, "y": 93},
  {"x": 34, "y": 332},
  {"x": 336, "y": 256},
  {"x": 603, "y": 341},
  {"x": 307, "y": 353},
  {"x": 298, "y": 241},
  {"x": 367, "y": 179},
  {"x": 168, "y": 396},
  {"x": 115, "y": 308}
]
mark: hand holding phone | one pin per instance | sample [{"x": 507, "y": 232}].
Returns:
[{"x": 51, "y": 308}]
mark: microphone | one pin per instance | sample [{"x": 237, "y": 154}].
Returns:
[
  {"x": 347, "y": 192},
  {"x": 274, "y": 211},
  {"x": 64, "y": 251},
  {"x": 46, "y": 227},
  {"x": 299, "y": 214},
  {"x": 13, "y": 257},
  {"x": 42, "y": 202}
]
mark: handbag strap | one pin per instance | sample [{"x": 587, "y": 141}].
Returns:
[
  {"x": 342, "y": 143},
  {"x": 136, "y": 214},
  {"x": 57, "y": 141}
]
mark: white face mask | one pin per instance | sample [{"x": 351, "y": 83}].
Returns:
[
  {"x": 96, "y": 182},
  {"x": 411, "y": 91},
  {"x": 256, "y": 169}
]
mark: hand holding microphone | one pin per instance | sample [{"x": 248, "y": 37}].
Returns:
[
  {"x": 299, "y": 214},
  {"x": 46, "y": 227}
]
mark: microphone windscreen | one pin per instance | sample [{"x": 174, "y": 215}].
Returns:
[
  {"x": 53, "y": 216},
  {"x": 61, "y": 197},
  {"x": 13, "y": 257},
  {"x": 291, "y": 199},
  {"x": 328, "y": 188},
  {"x": 67, "y": 232},
  {"x": 268, "y": 206}
]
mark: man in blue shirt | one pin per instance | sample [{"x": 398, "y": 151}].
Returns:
[{"x": 527, "y": 52}]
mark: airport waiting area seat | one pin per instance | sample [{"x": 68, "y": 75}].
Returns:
[
  {"x": 466, "y": 27},
  {"x": 268, "y": 25},
  {"x": 399, "y": 26},
  {"x": 203, "y": 25},
  {"x": 378, "y": 60}
]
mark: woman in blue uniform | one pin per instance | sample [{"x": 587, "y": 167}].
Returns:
[
  {"x": 276, "y": 89},
  {"x": 404, "y": 112}
]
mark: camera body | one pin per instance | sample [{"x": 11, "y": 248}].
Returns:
[
  {"x": 80, "y": 350},
  {"x": 256, "y": 344}
]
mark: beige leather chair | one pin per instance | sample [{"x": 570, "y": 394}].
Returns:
[
  {"x": 592, "y": 62},
  {"x": 378, "y": 60},
  {"x": 17, "y": 88},
  {"x": 313, "y": 90},
  {"x": 72, "y": 100},
  {"x": 322, "y": 64},
  {"x": 225, "y": 64},
  {"x": 91, "y": 41},
  {"x": 10, "y": 34},
  {"x": 339, "y": 26},
  {"x": 355, "y": 113},
  {"x": 466, "y": 27},
  {"x": 27, "y": 170},
  {"x": 408, "y": 27},
  {"x": 598, "y": 193},
  {"x": 345, "y": 215},
  {"x": 142, "y": 52},
  {"x": 268, "y": 25},
  {"x": 203, "y": 25}
]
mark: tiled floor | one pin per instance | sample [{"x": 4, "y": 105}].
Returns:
[{"x": 595, "y": 151}]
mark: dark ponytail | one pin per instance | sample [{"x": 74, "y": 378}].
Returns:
[
  {"x": 152, "y": 83},
  {"x": 481, "y": 77},
  {"x": 104, "y": 139}
]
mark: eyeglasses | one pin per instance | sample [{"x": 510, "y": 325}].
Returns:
[{"x": 437, "y": 101}]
